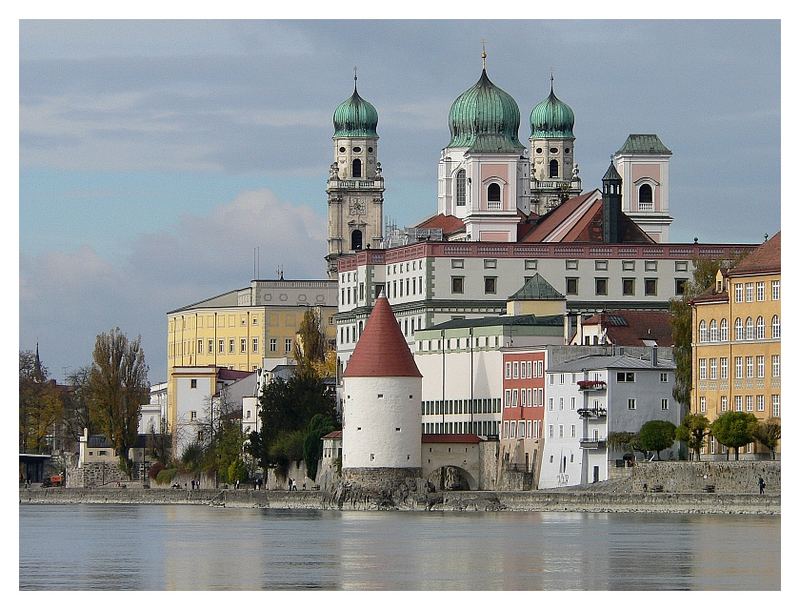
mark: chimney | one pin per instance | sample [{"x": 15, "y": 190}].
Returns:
[
  {"x": 566, "y": 329},
  {"x": 612, "y": 205},
  {"x": 579, "y": 328}
]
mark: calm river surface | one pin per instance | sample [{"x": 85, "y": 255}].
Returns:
[{"x": 119, "y": 547}]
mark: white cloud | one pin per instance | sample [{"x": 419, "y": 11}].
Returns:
[{"x": 67, "y": 297}]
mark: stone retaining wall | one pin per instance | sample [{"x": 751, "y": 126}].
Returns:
[
  {"x": 688, "y": 477},
  {"x": 768, "y": 504}
]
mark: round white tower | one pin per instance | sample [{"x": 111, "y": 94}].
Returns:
[{"x": 382, "y": 421}]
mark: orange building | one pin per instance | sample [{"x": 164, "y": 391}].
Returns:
[{"x": 736, "y": 343}]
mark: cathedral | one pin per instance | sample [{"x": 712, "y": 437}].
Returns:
[{"x": 491, "y": 188}]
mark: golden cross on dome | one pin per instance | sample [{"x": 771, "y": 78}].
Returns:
[{"x": 483, "y": 53}]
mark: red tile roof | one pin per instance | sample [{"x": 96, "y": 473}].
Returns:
[
  {"x": 631, "y": 327},
  {"x": 451, "y": 438},
  {"x": 382, "y": 350},
  {"x": 333, "y": 435},
  {"x": 764, "y": 259},
  {"x": 553, "y": 219},
  {"x": 447, "y": 223},
  {"x": 232, "y": 375}
]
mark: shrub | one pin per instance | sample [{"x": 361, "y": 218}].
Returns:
[
  {"x": 165, "y": 476},
  {"x": 155, "y": 469}
]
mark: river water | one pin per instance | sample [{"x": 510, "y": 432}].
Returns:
[{"x": 180, "y": 547}]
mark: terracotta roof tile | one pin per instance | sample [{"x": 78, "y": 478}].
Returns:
[
  {"x": 382, "y": 350},
  {"x": 631, "y": 327},
  {"x": 447, "y": 223},
  {"x": 333, "y": 435},
  {"x": 764, "y": 259}
]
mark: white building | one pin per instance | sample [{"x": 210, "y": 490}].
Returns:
[
  {"x": 592, "y": 396},
  {"x": 462, "y": 368},
  {"x": 197, "y": 390}
]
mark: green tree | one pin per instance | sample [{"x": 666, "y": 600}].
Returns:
[
  {"x": 318, "y": 426},
  {"x": 768, "y": 433},
  {"x": 657, "y": 435},
  {"x": 286, "y": 409},
  {"x": 693, "y": 431},
  {"x": 76, "y": 406},
  {"x": 41, "y": 404},
  {"x": 735, "y": 429},
  {"x": 118, "y": 387}
]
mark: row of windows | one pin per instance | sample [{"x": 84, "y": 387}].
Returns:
[
  {"x": 744, "y": 331},
  {"x": 743, "y": 367},
  {"x": 622, "y": 377},
  {"x": 209, "y": 321},
  {"x": 745, "y": 403},
  {"x": 524, "y": 369},
  {"x": 457, "y": 284},
  {"x": 627, "y": 265},
  {"x": 460, "y": 406},
  {"x": 457, "y": 343},
  {"x": 525, "y": 397},
  {"x": 744, "y": 292},
  {"x": 524, "y": 428},
  {"x": 491, "y": 263},
  {"x": 483, "y": 428}
]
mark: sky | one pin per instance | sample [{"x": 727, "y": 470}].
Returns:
[{"x": 154, "y": 156}]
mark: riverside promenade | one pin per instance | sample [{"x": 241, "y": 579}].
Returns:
[{"x": 578, "y": 500}]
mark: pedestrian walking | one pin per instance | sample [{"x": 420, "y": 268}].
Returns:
[{"x": 761, "y": 486}]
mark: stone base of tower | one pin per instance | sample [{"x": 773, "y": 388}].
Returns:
[{"x": 379, "y": 479}]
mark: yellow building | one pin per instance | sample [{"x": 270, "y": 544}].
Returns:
[
  {"x": 241, "y": 328},
  {"x": 736, "y": 330}
]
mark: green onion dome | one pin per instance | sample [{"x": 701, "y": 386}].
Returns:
[
  {"x": 552, "y": 118},
  {"x": 485, "y": 119},
  {"x": 355, "y": 118}
]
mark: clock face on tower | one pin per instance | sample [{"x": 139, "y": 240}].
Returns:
[{"x": 357, "y": 206}]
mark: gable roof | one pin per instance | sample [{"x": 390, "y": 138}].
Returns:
[
  {"x": 537, "y": 289},
  {"x": 382, "y": 350},
  {"x": 764, "y": 259},
  {"x": 521, "y": 320},
  {"x": 447, "y": 223}
]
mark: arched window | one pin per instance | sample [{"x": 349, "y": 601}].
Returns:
[
  {"x": 776, "y": 327},
  {"x": 713, "y": 334},
  {"x": 355, "y": 240},
  {"x": 360, "y": 327},
  {"x": 493, "y": 196},
  {"x": 723, "y": 329},
  {"x": 646, "y": 196},
  {"x": 748, "y": 329},
  {"x": 461, "y": 187},
  {"x": 739, "y": 329},
  {"x": 554, "y": 169},
  {"x": 356, "y": 168},
  {"x": 703, "y": 332},
  {"x": 759, "y": 327}
]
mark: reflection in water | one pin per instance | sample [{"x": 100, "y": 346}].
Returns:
[{"x": 201, "y": 548}]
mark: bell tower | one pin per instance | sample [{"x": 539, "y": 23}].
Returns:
[
  {"x": 355, "y": 184},
  {"x": 554, "y": 173}
]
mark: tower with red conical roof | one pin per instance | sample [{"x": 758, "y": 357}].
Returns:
[{"x": 382, "y": 421}]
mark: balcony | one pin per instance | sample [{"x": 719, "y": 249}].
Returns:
[
  {"x": 593, "y": 413},
  {"x": 591, "y": 386},
  {"x": 593, "y": 443}
]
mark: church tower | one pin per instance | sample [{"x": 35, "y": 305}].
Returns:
[
  {"x": 643, "y": 163},
  {"x": 355, "y": 185},
  {"x": 483, "y": 171},
  {"x": 554, "y": 173}
]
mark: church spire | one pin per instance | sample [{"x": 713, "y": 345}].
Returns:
[{"x": 483, "y": 54}]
